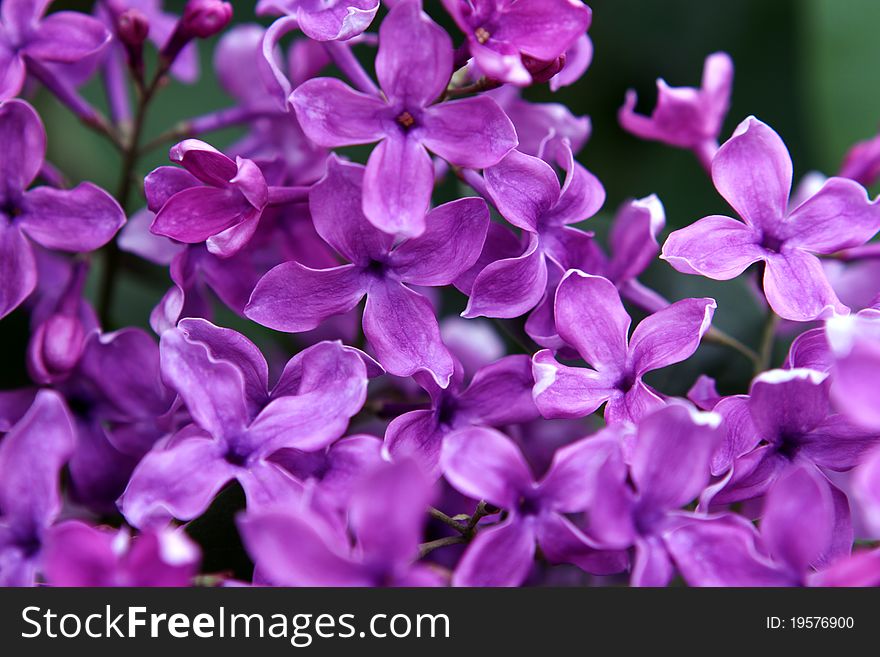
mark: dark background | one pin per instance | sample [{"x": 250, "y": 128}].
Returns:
[{"x": 809, "y": 68}]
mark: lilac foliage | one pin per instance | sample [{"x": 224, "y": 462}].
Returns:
[{"x": 422, "y": 388}]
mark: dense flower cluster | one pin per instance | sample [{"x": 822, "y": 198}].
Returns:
[{"x": 378, "y": 439}]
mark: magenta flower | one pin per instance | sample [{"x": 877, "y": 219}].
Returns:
[
  {"x": 238, "y": 423},
  {"x": 303, "y": 548},
  {"x": 323, "y": 20},
  {"x": 76, "y": 554},
  {"x": 591, "y": 318},
  {"x": 500, "y": 393},
  {"x": 484, "y": 464},
  {"x": 28, "y": 38},
  {"x": 80, "y": 219},
  {"x": 527, "y": 193},
  {"x": 399, "y": 323},
  {"x": 32, "y": 455},
  {"x": 686, "y": 117},
  {"x": 504, "y": 37},
  {"x": 752, "y": 171},
  {"x": 414, "y": 65}
]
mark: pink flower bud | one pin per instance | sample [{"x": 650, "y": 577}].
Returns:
[
  {"x": 541, "y": 70},
  {"x": 205, "y": 18},
  {"x": 132, "y": 27}
]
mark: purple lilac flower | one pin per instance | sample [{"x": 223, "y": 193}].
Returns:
[
  {"x": 686, "y": 117},
  {"x": 32, "y": 455},
  {"x": 484, "y": 464},
  {"x": 752, "y": 171},
  {"x": 503, "y": 36},
  {"x": 301, "y": 548},
  {"x": 498, "y": 394},
  {"x": 28, "y": 38},
  {"x": 784, "y": 423},
  {"x": 76, "y": 554},
  {"x": 591, "y": 318},
  {"x": 213, "y": 199},
  {"x": 80, "y": 219},
  {"x": 336, "y": 20},
  {"x": 797, "y": 533},
  {"x": 399, "y": 323},
  {"x": 526, "y": 191},
  {"x": 668, "y": 459},
  {"x": 222, "y": 378},
  {"x": 414, "y": 64}
]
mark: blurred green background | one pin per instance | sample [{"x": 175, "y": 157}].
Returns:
[{"x": 809, "y": 68}]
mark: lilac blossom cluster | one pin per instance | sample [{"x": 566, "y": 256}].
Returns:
[{"x": 379, "y": 440}]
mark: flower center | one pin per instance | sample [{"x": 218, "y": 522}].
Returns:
[
  {"x": 482, "y": 35},
  {"x": 406, "y": 120},
  {"x": 771, "y": 243},
  {"x": 626, "y": 382}
]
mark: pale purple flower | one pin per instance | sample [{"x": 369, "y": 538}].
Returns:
[
  {"x": 324, "y": 20},
  {"x": 414, "y": 64},
  {"x": 752, "y": 171},
  {"x": 32, "y": 455},
  {"x": 686, "y": 117},
  {"x": 591, "y": 318},
  {"x": 299, "y": 547},
  {"x": 502, "y": 34},
  {"x": 222, "y": 378},
  {"x": 76, "y": 554},
  {"x": 80, "y": 219},
  {"x": 498, "y": 394},
  {"x": 484, "y": 464},
  {"x": 398, "y": 322},
  {"x": 29, "y": 38}
]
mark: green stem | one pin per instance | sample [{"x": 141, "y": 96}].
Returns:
[
  {"x": 717, "y": 336},
  {"x": 768, "y": 335}
]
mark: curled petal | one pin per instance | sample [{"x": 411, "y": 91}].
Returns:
[
  {"x": 24, "y": 140},
  {"x": 717, "y": 247},
  {"x": 797, "y": 288},
  {"x": 670, "y": 335},
  {"x": 568, "y": 392},
  {"x": 523, "y": 188},
  {"x": 18, "y": 268}
]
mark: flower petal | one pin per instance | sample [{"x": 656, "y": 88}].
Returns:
[
  {"x": 838, "y": 216},
  {"x": 717, "y": 247},
  {"x": 568, "y": 392},
  {"x": 501, "y": 393},
  {"x": 591, "y": 318},
  {"x": 523, "y": 188},
  {"x": 397, "y": 186},
  {"x": 294, "y": 298},
  {"x": 402, "y": 329},
  {"x": 484, "y": 464},
  {"x": 788, "y": 403},
  {"x": 24, "y": 147},
  {"x": 752, "y": 171},
  {"x": 797, "y": 288},
  {"x": 414, "y": 61},
  {"x": 333, "y": 114},
  {"x": 472, "y": 132},
  {"x": 451, "y": 243},
  {"x": 511, "y": 286},
  {"x": 79, "y": 219},
  {"x": 500, "y": 556},
  {"x": 18, "y": 268},
  {"x": 67, "y": 36},
  {"x": 417, "y": 436},
  {"x": 670, "y": 335}
]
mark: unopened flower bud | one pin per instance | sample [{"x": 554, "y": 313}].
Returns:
[
  {"x": 541, "y": 70},
  {"x": 132, "y": 27},
  {"x": 205, "y": 18}
]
